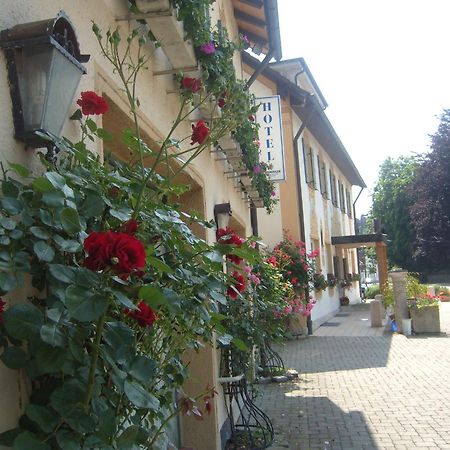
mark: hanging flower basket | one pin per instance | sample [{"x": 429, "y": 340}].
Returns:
[{"x": 169, "y": 32}]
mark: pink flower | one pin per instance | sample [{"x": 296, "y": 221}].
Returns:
[
  {"x": 254, "y": 279},
  {"x": 273, "y": 194},
  {"x": 257, "y": 169},
  {"x": 208, "y": 48},
  {"x": 247, "y": 269}
]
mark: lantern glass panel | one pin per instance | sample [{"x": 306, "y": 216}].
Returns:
[
  {"x": 48, "y": 80},
  {"x": 64, "y": 79},
  {"x": 33, "y": 64}
]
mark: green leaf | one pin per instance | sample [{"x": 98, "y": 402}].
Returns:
[
  {"x": 57, "y": 180},
  {"x": 65, "y": 398},
  {"x": 41, "y": 184},
  {"x": 132, "y": 436},
  {"x": 140, "y": 397},
  {"x": 218, "y": 297},
  {"x": 77, "y": 115},
  {"x": 214, "y": 256},
  {"x": 152, "y": 295},
  {"x": 93, "y": 206},
  {"x": 53, "y": 335},
  {"x": 121, "y": 339},
  {"x": 70, "y": 220},
  {"x": 27, "y": 441},
  {"x": 53, "y": 198},
  {"x": 68, "y": 440},
  {"x": 124, "y": 300},
  {"x": 85, "y": 305},
  {"x": 50, "y": 359},
  {"x": 43, "y": 416},
  {"x": 65, "y": 274},
  {"x": 11, "y": 205},
  {"x": 7, "y": 437},
  {"x": 9, "y": 189},
  {"x": 91, "y": 125},
  {"x": 104, "y": 134},
  {"x": 14, "y": 358},
  {"x": 142, "y": 368},
  {"x": 23, "y": 321},
  {"x": 123, "y": 214},
  {"x": 225, "y": 339},
  {"x": 67, "y": 245},
  {"x": 239, "y": 344},
  {"x": 8, "y": 224},
  {"x": 46, "y": 217},
  {"x": 161, "y": 266},
  {"x": 19, "y": 169},
  {"x": 16, "y": 234},
  {"x": 43, "y": 251},
  {"x": 8, "y": 281}
]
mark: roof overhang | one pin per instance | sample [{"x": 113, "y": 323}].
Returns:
[
  {"x": 359, "y": 240},
  {"x": 258, "y": 20}
]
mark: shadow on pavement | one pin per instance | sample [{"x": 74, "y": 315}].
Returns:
[{"x": 310, "y": 423}]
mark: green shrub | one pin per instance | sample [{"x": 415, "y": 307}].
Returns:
[{"x": 372, "y": 291}]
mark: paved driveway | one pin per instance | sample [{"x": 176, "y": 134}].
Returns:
[{"x": 363, "y": 392}]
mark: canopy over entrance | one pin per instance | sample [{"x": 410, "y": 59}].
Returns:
[{"x": 378, "y": 240}]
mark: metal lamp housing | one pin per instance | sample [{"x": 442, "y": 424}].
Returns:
[{"x": 44, "y": 70}]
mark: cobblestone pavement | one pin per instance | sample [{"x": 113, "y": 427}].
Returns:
[{"x": 363, "y": 392}]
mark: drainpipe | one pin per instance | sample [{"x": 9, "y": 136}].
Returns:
[
  {"x": 354, "y": 212},
  {"x": 264, "y": 63},
  {"x": 299, "y": 192},
  {"x": 358, "y": 250}
]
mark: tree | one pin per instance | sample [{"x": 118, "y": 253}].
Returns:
[
  {"x": 430, "y": 193},
  {"x": 391, "y": 203}
]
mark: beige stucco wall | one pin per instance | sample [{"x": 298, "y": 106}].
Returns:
[{"x": 159, "y": 106}]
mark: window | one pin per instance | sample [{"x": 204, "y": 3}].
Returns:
[
  {"x": 341, "y": 197},
  {"x": 322, "y": 177},
  {"x": 308, "y": 159},
  {"x": 333, "y": 188},
  {"x": 349, "y": 203}
]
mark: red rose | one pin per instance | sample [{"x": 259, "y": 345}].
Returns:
[
  {"x": 239, "y": 285},
  {"x": 130, "y": 227},
  {"x": 2, "y": 310},
  {"x": 120, "y": 252},
  {"x": 193, "y": 84},
  {"x": 221, "y": 102},
  {"x": 199, "y": 132},
  {"x": 229, "y": 237},
  {"x": 91, "y": 103},
  {"x": 145, "y": 316}
]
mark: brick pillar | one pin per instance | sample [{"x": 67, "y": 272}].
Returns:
[{"x": 381, "y": 250}]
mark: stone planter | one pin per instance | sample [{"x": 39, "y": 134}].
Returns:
[
  {"x": 425, "y": 320},
  {"x": 163, "y": 23},
  {"x": 297, "y": 325}
]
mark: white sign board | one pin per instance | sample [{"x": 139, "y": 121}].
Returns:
[{"x": 268, "y": 117}]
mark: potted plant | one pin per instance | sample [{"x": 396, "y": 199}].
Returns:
[
  {"x": 331, "y": 280},
  {"x": 320, "y": 283},
  {"x": 424, "y": 312}
]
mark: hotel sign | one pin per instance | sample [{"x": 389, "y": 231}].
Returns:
[{"x": 268, "y": 117}]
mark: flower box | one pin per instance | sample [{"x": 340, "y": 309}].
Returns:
[
  {"x": 425, "y": 319},
  {"x": 169, "y": 32}
]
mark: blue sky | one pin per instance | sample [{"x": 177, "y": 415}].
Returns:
[{"x": 383, "y": 67}]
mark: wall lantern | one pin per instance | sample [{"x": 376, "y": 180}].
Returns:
[
  {"x": 222, "y": 214},
  {"x": 44, "y": 69}
]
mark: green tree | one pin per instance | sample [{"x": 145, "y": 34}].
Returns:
[
  {"x": 391, "y": 205},
  {"x": 430, "y": 193}
]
